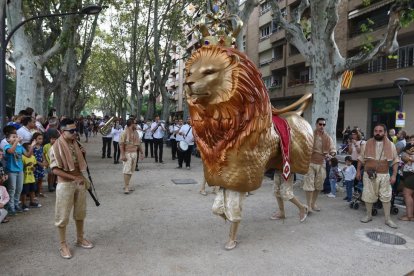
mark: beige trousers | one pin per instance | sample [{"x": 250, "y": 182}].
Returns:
[
  {"x": 315, "y": 177},
  {"x": 379, "y": 187},
  {"x": 228, "y": 203},
  {"x": 283, "y": 189},
  {"x": 68, "y": 196}
]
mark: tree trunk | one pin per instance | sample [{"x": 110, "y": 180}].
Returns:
[
  {"x": 326, "y": 95},
  {"x": 29, "y": 88}
]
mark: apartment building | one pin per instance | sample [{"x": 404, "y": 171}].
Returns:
[
  {"x": 175, "y": 83},
  {"x": 372, "y": 97}
]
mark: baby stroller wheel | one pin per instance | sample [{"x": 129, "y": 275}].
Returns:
[
  {"x": 374, "y": 212},
  {"x": 356, "y": 205},
  {"x": 351, "y": 205},
  {"x": 394, "y": 210}
]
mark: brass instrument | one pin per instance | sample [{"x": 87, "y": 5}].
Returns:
[{"x": 106, "y": 128}]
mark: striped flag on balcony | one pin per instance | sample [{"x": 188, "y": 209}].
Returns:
[{"x": 346, "y": 79}]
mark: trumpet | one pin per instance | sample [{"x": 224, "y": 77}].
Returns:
[{"x": 106, "y": 128}]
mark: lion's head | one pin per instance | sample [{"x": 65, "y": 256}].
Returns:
[{"x": 227, "y": 99}]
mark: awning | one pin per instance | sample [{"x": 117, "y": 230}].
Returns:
[{"x": 372, "y": 7}]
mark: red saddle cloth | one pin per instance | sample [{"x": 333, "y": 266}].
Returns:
[{"x": 283, "y": 129}]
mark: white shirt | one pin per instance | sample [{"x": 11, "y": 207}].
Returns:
[
  {"x": 40, "y": 127},
  {"x": 187, "y": 132},
  {"x": 349, "y": 172},
  {"x": 147, "y": 132},
  {"x": 159, "y": 130},
  {"x": 173, "y": 128},
  {"x": 116, "y": 134},
  {"x": 179, "y": 137},
  {"x": 25, "y": 133}
]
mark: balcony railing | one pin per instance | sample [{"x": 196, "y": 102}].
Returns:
[
  {"x": 296, "y": 82},
  {"x": 262, "y": 38},
  {"x": 263, "y": 11},
  {"x": 405, "y": 58},
  {"x": 265, "y": 62}
]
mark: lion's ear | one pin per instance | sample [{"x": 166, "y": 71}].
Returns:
[{"x": 235, "y": 59}]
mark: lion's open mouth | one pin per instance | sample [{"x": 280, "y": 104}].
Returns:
[{"x": 198, "y": 94}]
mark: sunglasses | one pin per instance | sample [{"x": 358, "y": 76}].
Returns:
[
  {"x": 71, "y": 131},
  {"x": 322, "y": 124}
]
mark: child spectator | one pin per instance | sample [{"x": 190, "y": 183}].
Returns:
[
  {"x": 51, "y": 178},
  {"x": 349, "y": 173},
  {"x": 14, "y": 167},
  {"x": 333, "y": 176},
  {"x": 29, "y": 180},
  {"x": 4, "y": 196},
  {"x": 6, "y": 131},
  {"x": 39, "y": 172}
]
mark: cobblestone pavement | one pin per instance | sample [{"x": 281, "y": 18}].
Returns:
[{"x": 168, "y": 229}]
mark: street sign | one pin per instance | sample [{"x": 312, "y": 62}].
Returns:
[{"x": 399, "y": 119}]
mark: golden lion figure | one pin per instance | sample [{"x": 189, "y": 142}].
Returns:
[{"x": 231, "y": 117}]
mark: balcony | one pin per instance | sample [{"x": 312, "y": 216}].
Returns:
[
  {"x": 277, "y": 34},
  {"x": 277, "y": 63},
  {"x": 383, "y": 71},
  {"x": 265, "y": 62},
  {"x": 295, "y": 59},
  {"x": 299, "y": 88},
  {"x": 276, "y": 89},
  {"x": 265, "y": 18},
  {"x": 264, "y": 45}
]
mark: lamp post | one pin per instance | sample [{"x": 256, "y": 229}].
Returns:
[
  {"x": 400, "y": 83},
  {"x": 87, "y": 10}
]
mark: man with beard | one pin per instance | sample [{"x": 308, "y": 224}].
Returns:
[{"x": 377, "y": 155}]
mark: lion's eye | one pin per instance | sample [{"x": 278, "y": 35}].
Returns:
[{"x": 209, "y": 72}]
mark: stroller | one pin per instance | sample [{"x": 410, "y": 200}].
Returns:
[
  {"x": 343, "y": 149},
  {"x": 357, "y": 199}
]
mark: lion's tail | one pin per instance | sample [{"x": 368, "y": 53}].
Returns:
[{"x": 297, "y": 107}]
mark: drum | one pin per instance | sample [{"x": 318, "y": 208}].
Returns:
[{"x": 182, "y": 146}]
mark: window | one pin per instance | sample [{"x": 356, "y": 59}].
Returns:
[
  {"x": 406, "y": 56},
  {"x": 267, "y": 81},
  {"x": 278, "y": 52},
  {"x": 244, "y": 43},
  {"x": 265, "y": 7},
  {"x": 265, "y": 31}
]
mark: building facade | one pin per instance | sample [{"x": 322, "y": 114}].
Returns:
[{"x": 372, "y": 97}]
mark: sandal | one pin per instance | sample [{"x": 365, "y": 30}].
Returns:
[
  {"x": 204, "y": 193},
  {"x": 85, "y": 244},
  {"x": 305, "y": 215},
  {"x": 406, "y": 218},
  {"x": 277, "y": 216},
  {"x": 230, "y": 245},
  {"x": 5, "y": 220},
  {"x": 65, "y": 252}
]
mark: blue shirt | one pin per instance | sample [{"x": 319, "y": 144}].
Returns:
[{"x": 14, "y": 161}]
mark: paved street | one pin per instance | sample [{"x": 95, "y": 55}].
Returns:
[{"x": 168, "y": 229}]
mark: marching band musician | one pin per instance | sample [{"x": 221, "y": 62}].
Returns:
[
  {"x": 186, "y": 131},
  {"x": 173, "y": 128}
]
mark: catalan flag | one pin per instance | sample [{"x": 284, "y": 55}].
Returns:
[{"x": 346, "y": 79}]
